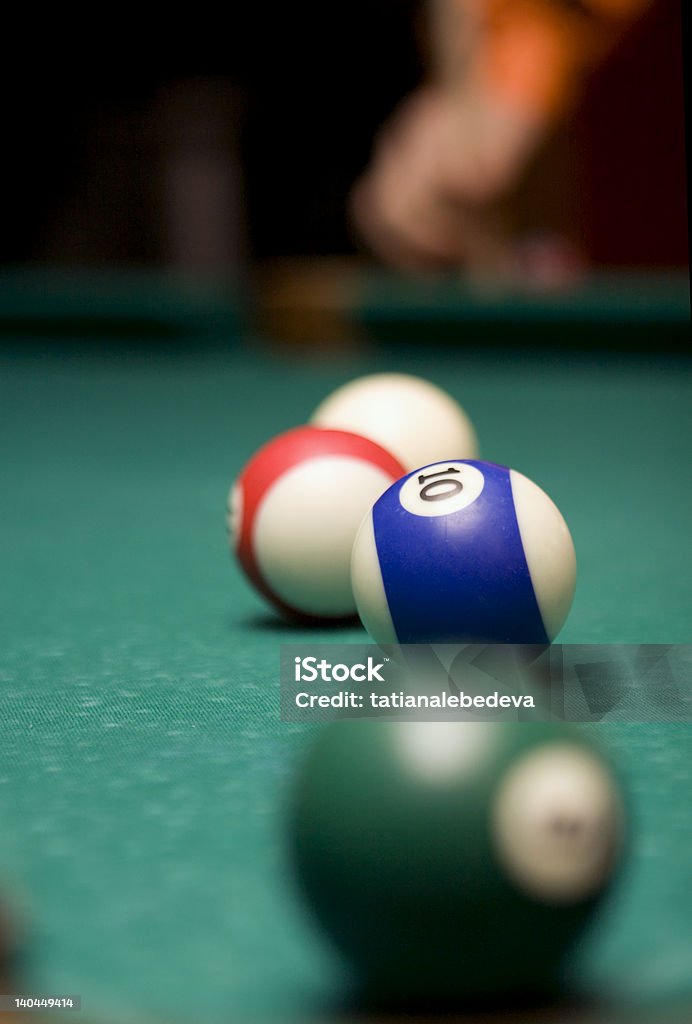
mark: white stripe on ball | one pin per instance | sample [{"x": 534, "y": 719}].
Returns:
[
  {"x": 304, "y": 529},
  {"x": 548, "y": 549}
]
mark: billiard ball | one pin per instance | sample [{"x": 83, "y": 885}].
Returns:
[
  {"x": 463, "y": 550},
  {"x": 410, "y": 417},
  {"x": 294, "y": 511},
  {"x": 455, "y": 859}
]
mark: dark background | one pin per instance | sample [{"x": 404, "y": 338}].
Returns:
[{"x": 289, "y": 98}]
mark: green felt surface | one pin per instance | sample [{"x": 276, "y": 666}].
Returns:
[{"x": 143, "y": 766}]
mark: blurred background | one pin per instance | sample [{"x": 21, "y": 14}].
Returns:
[
  {"x": 205, "y": 149},
  {"x": 189, "y": 177}
]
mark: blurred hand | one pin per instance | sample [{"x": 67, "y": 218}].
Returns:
[{"x": 441, "y": 168}]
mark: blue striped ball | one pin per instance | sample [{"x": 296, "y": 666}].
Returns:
[{"x": 463, "y": 551}]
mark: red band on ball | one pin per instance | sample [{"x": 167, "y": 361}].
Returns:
[{"x": 276, "y": 458}]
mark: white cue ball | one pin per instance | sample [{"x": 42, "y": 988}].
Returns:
[{"x": 415, "y": 420}]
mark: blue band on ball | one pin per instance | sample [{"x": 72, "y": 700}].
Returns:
[{"x": 458, "y": 576}]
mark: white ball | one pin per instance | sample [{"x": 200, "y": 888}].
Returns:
[{"x": 415, "y": 420}]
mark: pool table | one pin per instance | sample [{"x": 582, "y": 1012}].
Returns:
[{"x": 144, "y": 768}]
